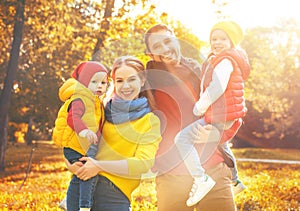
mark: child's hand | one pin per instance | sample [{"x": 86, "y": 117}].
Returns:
[
  {"x": 197, "y": 110},
  {"x": 204, "y": 134},
  {"x": 91, "y": 137}
]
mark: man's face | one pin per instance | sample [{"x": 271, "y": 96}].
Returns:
[{"x": 164, "y": 47}]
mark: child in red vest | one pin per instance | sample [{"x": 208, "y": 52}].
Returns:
[{"x": 222, "y": 78}]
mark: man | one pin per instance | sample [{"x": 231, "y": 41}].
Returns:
[{"x": 176, "y": 86}]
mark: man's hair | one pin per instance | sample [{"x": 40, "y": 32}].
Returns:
[{"x": 154, "y": 29}]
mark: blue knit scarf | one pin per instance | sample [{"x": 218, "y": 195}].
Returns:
[{"x": 118, "y": 110}]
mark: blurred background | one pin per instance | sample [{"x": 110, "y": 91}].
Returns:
[{"x": 41, "y": 41}]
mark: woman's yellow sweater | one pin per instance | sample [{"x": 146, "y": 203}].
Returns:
[{"x": 136, "y": 141}]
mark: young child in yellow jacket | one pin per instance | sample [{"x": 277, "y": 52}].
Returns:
[{"x": 80, "y": 119}]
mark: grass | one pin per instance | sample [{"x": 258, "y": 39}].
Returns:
[
  {"x": 45, "y": 185},
  {"x": 270, "y": 186},
  {"x": 277, "y": 154}
]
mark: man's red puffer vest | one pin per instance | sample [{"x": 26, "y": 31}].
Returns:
[{"x": 231, "y": 105}]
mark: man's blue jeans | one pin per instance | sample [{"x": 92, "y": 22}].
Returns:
[{"x": 107, "y": 197}]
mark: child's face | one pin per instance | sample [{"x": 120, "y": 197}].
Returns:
[
  {"x": 98, "y": 83},
  {"x": 127, "y": 83},
  {"x": 219, "y": 41}
]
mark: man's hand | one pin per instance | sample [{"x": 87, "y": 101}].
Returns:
[{"x": 204, "y": 134}]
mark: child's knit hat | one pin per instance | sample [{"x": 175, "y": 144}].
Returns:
[
  {"x": 232, "y": 29},
  {"x": 86, "y": 70}
]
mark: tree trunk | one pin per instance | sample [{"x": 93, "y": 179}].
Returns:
[
  {"x": 104, "y": 27},
  {"x": 30, "y": 129},
  {"x": 9, "y": 80},
  {"x": 3, "y": 142}
]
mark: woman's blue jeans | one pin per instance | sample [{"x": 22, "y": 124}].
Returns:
[{"x": 107, "y": 197}]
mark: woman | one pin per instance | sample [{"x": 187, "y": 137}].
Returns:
[{"x": 130, "y": 139}]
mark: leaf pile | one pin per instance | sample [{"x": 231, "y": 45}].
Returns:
[{"x": 270, "y": 186}]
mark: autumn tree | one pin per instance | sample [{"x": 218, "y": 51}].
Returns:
[
  {"x": 221, "y": 8},
  {"x": 57, "y": 35},
  {"x": 272, "y": 91},
  {"x": 9, "y": 79}
]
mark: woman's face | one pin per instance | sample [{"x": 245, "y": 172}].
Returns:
[
  {"x": 219, "y": 41},
  {"x": 127, "y": 82}
]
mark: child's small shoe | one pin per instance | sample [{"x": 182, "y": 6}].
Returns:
[
  {"x": 200, "y": 188},
  {"x": 238, "y": 187},
  {"x": 63, "y": 204}
]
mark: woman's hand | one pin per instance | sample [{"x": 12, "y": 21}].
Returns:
[
  {"x": 73, "y": 167},
  {"x": 204, "y": 134},
  {"x": 89, "y": 169}
]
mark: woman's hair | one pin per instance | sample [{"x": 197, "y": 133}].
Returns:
[{"x": 136, "y": 64}]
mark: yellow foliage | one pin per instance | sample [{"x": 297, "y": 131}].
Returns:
[
  {"x": 144, "y": 197},
  {"x": 271, "y": 187}
]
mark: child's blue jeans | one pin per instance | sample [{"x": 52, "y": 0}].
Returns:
[{"x": 85, "y": 188}]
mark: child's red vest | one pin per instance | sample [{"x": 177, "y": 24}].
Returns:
[{"x": 231, "y": 105}]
